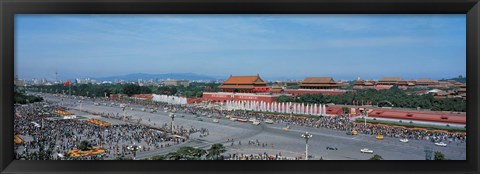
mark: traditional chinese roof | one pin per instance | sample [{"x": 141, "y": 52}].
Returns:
[
  {"x": 244, "y": 80},
  {"x": 359, "y": 82},
  {"x": 276, "y": 90},
  {"x": 426, "y": 80},
  {"x": 237, "y": 86},
  {"x": 320, "y": 84},
  {"x": 391, "y": 79},
  {"x": 318, "y": 80}
]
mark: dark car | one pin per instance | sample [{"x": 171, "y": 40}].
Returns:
[
  {"x": 332, "y": 148},
  {"x": 200, "y": 119}
]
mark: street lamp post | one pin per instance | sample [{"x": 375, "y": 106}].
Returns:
[
  {"x": 134, "y": 148},
  {"x": 307, "y": 136},
  {"x": 365, "y": 115},
  {"x": 172, "y": 115},
  {"x": 123, "y": 106},
  {"x": 291, "y": 111}
]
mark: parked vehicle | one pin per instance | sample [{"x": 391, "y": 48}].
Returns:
[
  {"x": 332, "y": 148},
  {"x": 365, "y": 150}
]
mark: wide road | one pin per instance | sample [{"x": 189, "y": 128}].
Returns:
[{"x": 288, "y": 143}]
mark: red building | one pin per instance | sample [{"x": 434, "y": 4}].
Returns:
[
  {"x": 244, "y": 84},
  {"x": 403, "y": 114},
  {"x": 389, "y": 81},
  {"x": 142, "y": 96},
  {"x": 361, "y": 84},
  {"x": 227, "y": 96},
  {"x": 319, "y": 83},
  {"x": 314, "y": 91},
  {"x": 426, "y": 116}
]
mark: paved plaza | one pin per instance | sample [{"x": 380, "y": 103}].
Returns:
[{"x": 271, "y": 138}]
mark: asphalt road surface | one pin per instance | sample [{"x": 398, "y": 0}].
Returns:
[{"x": 289, "y": 143}]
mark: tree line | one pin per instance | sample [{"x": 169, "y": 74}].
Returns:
[
  {"x": 191, "y": 153},
  {"x": 92, "y": 90},
  {"x": 20, "y": 97},
  {"x": 394, "y": 96}
]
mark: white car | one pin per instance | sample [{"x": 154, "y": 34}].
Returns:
[
  {"x": 366, "y": 150},
  {"x": 404, "y": 140},
  {"x": 441, "y": 144},
  {"x": 215, "y": 120},
  {"x": 256, "y": 122},
  {"x": 269, "y": 121}
]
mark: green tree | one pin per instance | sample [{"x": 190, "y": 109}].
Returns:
[
  {"x": 123, "y": 158},
  {"x": 21, "y": 98},
  {"x": 184, "y": 153},
  {"x": 191, "y": 153},
  {"x": 158, "y": 157},
  {"x": 345, "y": 110},
  {"x": 145, "y": 90},
  {"x": 439, "y": 156},
  {"x": 376, "y": 157},
  {"x": 215, "y": 151},
  {"x": 85, "y": 145},
  {"x": 131, "y": 89}
]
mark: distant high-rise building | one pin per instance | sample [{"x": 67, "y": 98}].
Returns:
[
  {"x": 19, "y": 82},
  {"x": 184, "y": 83}
]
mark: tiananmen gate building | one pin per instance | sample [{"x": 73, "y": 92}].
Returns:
[{"x": 244, "y": 84}]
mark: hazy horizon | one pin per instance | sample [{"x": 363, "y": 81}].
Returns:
[{"x": 275, "y": 46}]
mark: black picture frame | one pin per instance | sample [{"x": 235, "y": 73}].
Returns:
[{"x": 8, "y": 8}]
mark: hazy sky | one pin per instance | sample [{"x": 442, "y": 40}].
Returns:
[{"x": 275, "y": 46}]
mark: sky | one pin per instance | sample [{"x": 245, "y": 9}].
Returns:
[{"x": 275, "y": 46}]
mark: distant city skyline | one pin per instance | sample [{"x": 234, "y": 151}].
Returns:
[{"x": 275, "y": 46}]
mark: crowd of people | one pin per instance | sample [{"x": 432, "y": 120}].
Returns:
[
  {"x": 341, "y": 123},
  {"x": 49, "y": 139},
  {"x": 59, "y": 136},
  {"x": 260, "y": 156}
]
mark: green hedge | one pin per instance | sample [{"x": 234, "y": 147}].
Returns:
[{"x": 407, "y": 123}]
